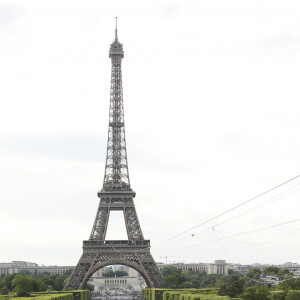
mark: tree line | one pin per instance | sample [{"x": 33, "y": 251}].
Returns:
[
  {"x": 23, "y": 283},
  {"x": 233, "y": 285}
]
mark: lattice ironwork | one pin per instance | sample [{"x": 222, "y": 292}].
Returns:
[
  {"x": 95, "y": 258},
  {"x": 116, "y": 194}
]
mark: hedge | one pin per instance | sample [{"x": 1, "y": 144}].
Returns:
[
  {"x": 76, "y": 295},
  {"x": 64, "y": 296},
  {"x": 171, "y": 294},
  {"x": 293, "y": 295},
  {"x": 183, "y": 294},
  {"x": 278, "y": 295}
]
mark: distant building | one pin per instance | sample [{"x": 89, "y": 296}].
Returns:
[
  {"x": 218, "y": 267},
  {"x": 133, "y": 279},
  {"x": 294, "y": 269},
  {"x": 34, "y": 269}
]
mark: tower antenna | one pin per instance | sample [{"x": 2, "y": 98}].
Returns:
[{"x": 116, "y": 27}]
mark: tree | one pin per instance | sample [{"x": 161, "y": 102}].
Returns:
[
  {"x": 173, "y": 281},
  {"x": 271, "y": 270},
  {"x": 254, "y": 273},
  {"x": 195, "y": 283},
  {"x": 284, "y": 271},
  {"x": 59, "y": 283},
  {"x": 109, "y": 274},
  {"x": 6, "y": 281},
  {"x": 4, "y": 290},
  {"x": 187, "y": 285},
  {"x": 231, "y": 286},
  {"x": 170, "y": 270},
  {"x": 257, "y": 293},
  {"x": 25, "y": 272},
  {"x": 208, "y": 281},
  {"x": 293, "y": 295},
  {"x": 121, "y": 273},
  {"x": 291, "y": 284},
  {"x": 23, "y": 285},
  {"x": 90, "y": 287},
  {"x": 278, "y": 295}
]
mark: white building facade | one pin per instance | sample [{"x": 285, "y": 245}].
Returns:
[
  {"x": 34, "y": 269},
  {"x": 218, "y": 267}
]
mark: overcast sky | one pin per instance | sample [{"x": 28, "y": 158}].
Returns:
[{"x": 211, "y": 96}]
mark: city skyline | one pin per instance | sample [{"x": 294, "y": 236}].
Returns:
[{"x": 211, "y": 113}]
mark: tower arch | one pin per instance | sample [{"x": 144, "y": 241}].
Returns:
[{"x": 127, "y": 263}]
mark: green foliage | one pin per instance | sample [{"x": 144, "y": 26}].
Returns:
[
  {"x": 40, "y": 282},
  {"x": 23, "y": 285},
  {"x": 25, "y": 272},
  {"x": 6, "y": 281},
  {"x": 109, "y": 274},
  {"x": 20, "y": 286},
  {"x": 254, "y": 274},
  {"x": 231, "y": 285},
  {"x": 76, "y": 295},
  {"x": 284, "y": 272},
  {"x": 115, "y": 274},
  {"x": 4, "y": 290},
  {"x": 64, "y": 296},
  {"x": 183, "y": 294},
  {"x": 271, "y": 270},
  {"x": 293, "y": 295},
  {"x": 121, "y": 273},
  {"x": 90, "y": 287},
  {"x": 195, "y": 283},
  {"x": 170, "y": 270},
  {"x": 291, "y": 284},
  {"x": 175, "y": 279},
  {"x": 277, "y": 295},
  {"x": 257, "y": 293}
]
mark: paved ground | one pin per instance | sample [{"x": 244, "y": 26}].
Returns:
[{"x": 117, "y": 294}]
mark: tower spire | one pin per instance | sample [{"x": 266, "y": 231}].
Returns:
[{"x": 116, "y": 30}]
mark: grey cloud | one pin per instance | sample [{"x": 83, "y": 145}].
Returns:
[
  {"x": 10, "y": 13},
  {"x": 82, "y": 148},
  {"x": 285, "y": 41},
  {"x": 170, "y": 10}
]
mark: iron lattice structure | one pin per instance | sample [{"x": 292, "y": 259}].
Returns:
[{"x": 116, "y": 194}]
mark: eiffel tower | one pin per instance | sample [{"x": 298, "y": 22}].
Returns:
[{"x": 116, "y": 194}]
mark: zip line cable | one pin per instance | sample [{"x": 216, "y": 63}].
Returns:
[
  {"x": 235, "y": 235},
  {"x": 227, "y": 211},
  {"x": 266, "y": 202},
  {"x": 267, "y": 242},
  {"x": 275, "y": 198},
  {"x": 229, "y": 237},
  {"x": 243, "y": 274}
]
